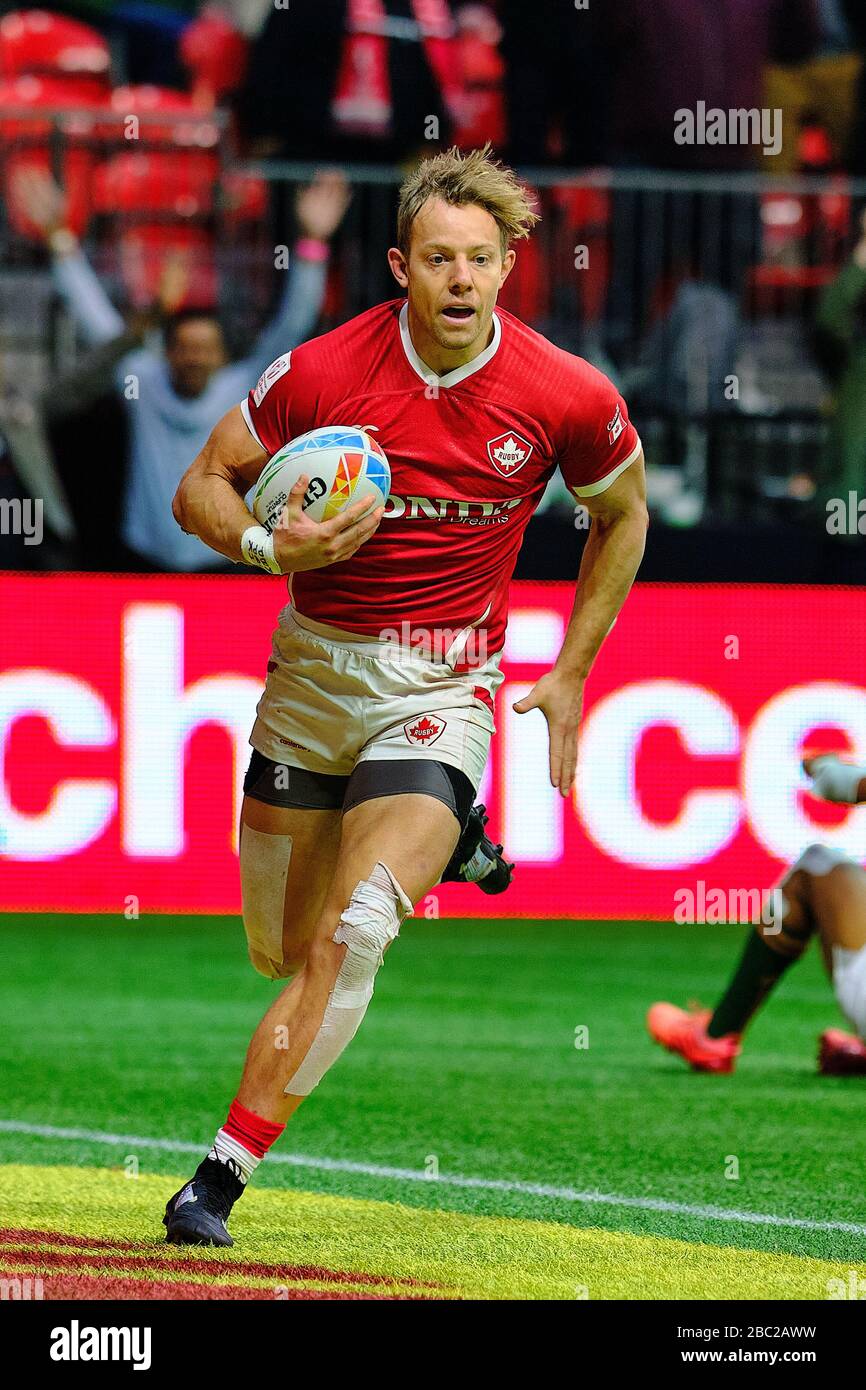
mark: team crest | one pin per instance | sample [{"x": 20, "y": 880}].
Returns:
[
  {"x": 508, "y": 452},
  {"x": 424, "y": 731}
]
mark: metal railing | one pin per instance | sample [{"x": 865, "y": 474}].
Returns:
[{"x": 695, "y": 292}]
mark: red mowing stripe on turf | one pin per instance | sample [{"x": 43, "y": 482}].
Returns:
[
  {"x": 19, "y": 1234},
  {"x": 30, "y": 1254},
  {"x": 297, "y": 1273},
  {"x": 91, "y": 1286}
]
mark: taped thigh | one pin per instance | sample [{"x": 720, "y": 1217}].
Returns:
[
  {"x": 264, "y": 864},
  {"x": 367, "y": 926}
]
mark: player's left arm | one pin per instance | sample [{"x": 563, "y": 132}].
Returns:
[{"x": 613, "y": 552}]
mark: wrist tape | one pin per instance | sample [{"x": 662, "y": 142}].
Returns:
[{"x": 257, "y": 548}]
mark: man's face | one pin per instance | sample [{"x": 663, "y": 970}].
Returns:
[
  {"x": 453, "y": 273},
  {"x": 196, "y": 351}
]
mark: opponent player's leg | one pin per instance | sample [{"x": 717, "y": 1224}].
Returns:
[
  {"x": 709, "y": 1040},
  {"x": 838, "y": 900}
]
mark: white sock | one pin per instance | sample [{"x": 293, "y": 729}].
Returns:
[{"x": 227, "y": 1150}]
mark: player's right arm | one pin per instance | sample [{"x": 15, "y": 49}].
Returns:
[{"x": 209, "y": 503}]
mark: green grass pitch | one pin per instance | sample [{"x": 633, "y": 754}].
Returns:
[{"x": 466, "y": 1061}]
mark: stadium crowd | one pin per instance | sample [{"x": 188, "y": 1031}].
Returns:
[
  {"x": 552, "y": 82},
  {"x": 177, "y": 223}
]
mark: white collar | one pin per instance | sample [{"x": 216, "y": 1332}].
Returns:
[{"x": 457, "y": 374}]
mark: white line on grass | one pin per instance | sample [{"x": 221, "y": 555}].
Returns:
[{"x": 382, "y": 1170}]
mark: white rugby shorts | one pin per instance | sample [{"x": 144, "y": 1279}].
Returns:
[{"x": 334, "y": 699}]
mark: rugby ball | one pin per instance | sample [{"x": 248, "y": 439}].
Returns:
[{"x": 343, "y": 463}]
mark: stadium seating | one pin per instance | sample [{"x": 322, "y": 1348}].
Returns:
[
  {"x": 143, "y": 158},
  {"x": 160, "y": 205},
  {"x": 166, "y": 118},
  {"x": 38, "y": 44},
  {"x": 27, "y": 141}
]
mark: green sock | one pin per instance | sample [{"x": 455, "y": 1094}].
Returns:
[{"x": 759, "y": 969}]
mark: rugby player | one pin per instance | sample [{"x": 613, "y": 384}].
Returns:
[
  {"x": 823, "y": 894},
  {"x": 366, "y": 755}
]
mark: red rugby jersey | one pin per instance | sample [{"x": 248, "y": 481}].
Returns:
[{"x": 470, "y": 452}]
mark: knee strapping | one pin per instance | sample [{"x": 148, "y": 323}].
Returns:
[
  {"x": 367, "y": 926},
  {"x": 264, "y": 865}
]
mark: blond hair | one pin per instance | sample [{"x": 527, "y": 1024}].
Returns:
[{"x": 461, "y": 179}]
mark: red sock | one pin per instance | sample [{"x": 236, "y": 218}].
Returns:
[{"x": 256, "y": 1135}]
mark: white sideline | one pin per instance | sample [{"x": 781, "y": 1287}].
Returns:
[{"x": 380, "y": 1170}]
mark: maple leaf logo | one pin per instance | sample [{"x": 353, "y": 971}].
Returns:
[
  {"x": 424, "y": 731},
  {"x": 508, "y": 452}
]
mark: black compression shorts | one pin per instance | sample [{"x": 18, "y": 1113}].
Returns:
[{"x": 278, "y": 784}]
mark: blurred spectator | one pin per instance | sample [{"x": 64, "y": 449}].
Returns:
[
  {"x": 81, "y": 404},
  {"x": 480, "y": 109},
  {"x": 350, "y": 79},
  {"x": 556, "y": 83},
  {"x": 28, "y": 480},
  {"x": 21, "y": 517},
  {"x": 174, "y": 398},
  {"x": 669, "y": 55},
  {"x": 841, "y": 324},
  {"x": 820, "y": 93},
  {"x": 31, "y": 428},
  {"x": 689, "y": 353}
]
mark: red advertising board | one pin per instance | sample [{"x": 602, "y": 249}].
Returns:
[{"x": 126, "y": 702}]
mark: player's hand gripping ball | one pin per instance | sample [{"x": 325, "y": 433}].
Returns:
[{"x": 343, "y": 463}]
